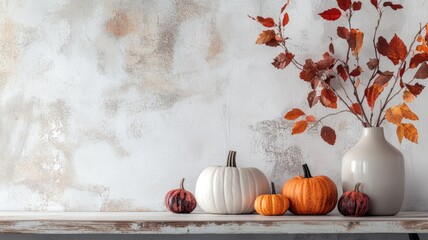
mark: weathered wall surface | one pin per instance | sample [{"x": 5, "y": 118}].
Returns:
[{"x": 105, "y": 105}]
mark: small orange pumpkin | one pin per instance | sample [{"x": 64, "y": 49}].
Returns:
[
  {"x": 271, "y": 204},
  {"x": 310, "y": 195}
]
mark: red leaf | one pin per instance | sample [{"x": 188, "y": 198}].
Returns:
[
  {"x": 313, "y": 98},
  {"x": 397, "y": 50},
  {"x": 331, "y": 48},
  {"x": 373, "y": 63},
  {"x": 285, "y": 5},
  {"x": 328, "y": 98},
  {"x": 383, "y": 78},
  {"x": 382, "y": 46},
  {"x": 285, "y": 19},
  {"x": 326, "y": 62},
  {"x": 266, "y": 36},
  {"x": 415, "y": 89},
  {"x": 372, "y": 93},
  {"x": 356, "y": 5},
  {"x": 374, "y": 2},
  {"x": 355, "y": 41},
  {"x": 311, "y": 118},
  {"x": 343, "y": 32},
  {"x": 393, "y": 6},
  {"x": 356, "y": 72},
  {"x": 299, "y": 127},
  {"x": 344, "y": 4},
  {"x": 309, "y": 70},
  {"x": 417, "y": 59},
  {"x": 403, "y": 69},
  {"x": 342, "y": 72},
  {"x": 331, "y": 14},
  {"x": 328, "y": 135},
  {"x": 356, "y": 108},
  {"x": 267, "y": 22},
  {"x": 282, "y": 60},
  {"x": 422, "y": 72},
  {"x": 294, "y": 114}
]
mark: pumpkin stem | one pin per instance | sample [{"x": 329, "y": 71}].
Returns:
[
  {"x": 357, "y": 187},
  {"x": 306, "y": 171},
  {"x": 182, "y": 184},
  {"x": 273, "y": 187},
  {"x": 231, "y": 159}
]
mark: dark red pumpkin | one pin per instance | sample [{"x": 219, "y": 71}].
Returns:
[
  {"x": 354, "y": 203},
  {"x": 180, "y": 200}
]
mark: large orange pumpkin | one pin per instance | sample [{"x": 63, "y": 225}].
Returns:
[
  {"x": 310, "y": 195},
  {"x": 271, "y": 204}
]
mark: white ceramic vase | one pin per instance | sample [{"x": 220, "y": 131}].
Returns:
[{"x": 379, "y": 167}]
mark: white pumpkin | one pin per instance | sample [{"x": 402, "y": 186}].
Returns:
[{"x": 230, "y": 190}]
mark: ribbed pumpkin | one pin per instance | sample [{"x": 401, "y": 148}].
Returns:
[
  {"x": 271, "y": 204},
  {"x": 180, "y": 200},
  {"x": 310, "y": 195},
  {"x": 354, "y": 203}
]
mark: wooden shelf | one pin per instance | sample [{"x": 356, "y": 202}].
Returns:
[{"x": 199, "y": 223}]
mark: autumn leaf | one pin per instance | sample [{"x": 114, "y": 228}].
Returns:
[
  {"x": 267, "y": 22},
  {"x": 372, "y": 93},
  {"x": 417, "y": 59},
  {"x": 373, "y": 63},
  {"x": 311, "y": 118},
  {"x": 357, "y": 83},
  {"x": 266, "y": 36},
  {"x": 294, "y": 114},
  {"x": 328, "y": 98},
  {"x": 407, "y": 113},
  {"x": 400, "y": 132},
  {"x": 309, "y": 70},
  {"x": 397, "y": 50},
  {"x": 394, "y": 115},
  {"x": 356, "y": 72},
  {"x": 355, "y": 41},
  {"x": 356, "y": 5},
  {"x": 313, "y": 98},
  {"x": 415, "y": 89},
  {"x": 344, "y": 4},
  {"x": 331, "y": 14},
  {"x": 331, "y": 48},
  {"x": 326, "y": 62},
  {"x": 356, "y": 108},
  {"x": 383, "y": 78},
  {"x": 299, "y": 127},
  {"x": 285, "y": 6},
  {"x": 342, "y": 72},
  {"x": 403, "y": 69},
  {"x": 382, "y": 46},
  {"x": 328, "y": 135},
  {"x": 408, "y": 96},
  {"x": 422, "y": 72},
  {"x": 409, "y": 131},
  {"x": 343, "y": 32},
  {"x": 282, "y": 60},
  {"x": 393, "y": 6},
  {"x": 374, "y": 3},
  {"x": 285, "y": 19}
]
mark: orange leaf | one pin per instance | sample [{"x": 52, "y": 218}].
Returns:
[
  {"x": 267, "y": 22},
  {"x": 372, "y": 93},
  {"x": 408, "y": 96},
  {"x": 422, "y": 72},
  {"x": 373, "y": 63},
  {"x": 331, "y": 14},
  {"x": 355, "y": 41},
  {"x": 356, "y": 5},
  {"x": 285, "y": 19},
  {"x": 407, "y": 113},
  {"x": 417, "y": 59},
  {"x": 382, "y": 46},
  {"x": 294, "y": 114},
  {"x": 394, "y": 115},
  {"x": 415, "y": 89},
  {"x": 282, "y": 60},
  {"x": 313, "y": 98},
  {"x": 328, "y": 98},
  {"x": 383, "y": 78},
  {"x": 285, "y": 5},
  {"x": 328, "y": 135},
  {"x": 409, "y": 131},
  {"x": 397, "y": 50},
  {"x": 299, "y": 127},
  {"x": 393, "y": 6},
  {"x": 344, "y": 4},
  {"x": 267, "y": 37},
  {"x": 357, "y": 83},
  {"x": 311, "y": 118},
  {"x": 343, "y": 32},
  {"x": 356, "y": 108}
]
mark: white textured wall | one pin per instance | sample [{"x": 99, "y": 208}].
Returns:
[{"x": 105, "y": 105}]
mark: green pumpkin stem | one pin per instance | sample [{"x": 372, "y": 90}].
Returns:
[
  {"x": 306, "y": 171},
  {"x": 273, "y": 187},
  {"x": 182, "y": 184},
  {"x": 231, "y": 159},
  {"x": 357, "y": 187}
]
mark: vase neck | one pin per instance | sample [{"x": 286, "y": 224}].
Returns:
[{"x": 373, "y": 133}]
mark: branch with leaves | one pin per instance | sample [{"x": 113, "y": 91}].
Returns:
[{"x": 331, "y": 71}]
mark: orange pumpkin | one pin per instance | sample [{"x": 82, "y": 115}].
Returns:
[
  {"x": 310, "y": 195},
  {"x": 271, "y": 204}
]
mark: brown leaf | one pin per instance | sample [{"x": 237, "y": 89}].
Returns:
[
  {"x": 266, "y": 36},
  {"x": 285, "y": 19},
  {"x": 403, "y": 69},
  {"x": 374, "y": 3},
  {"x": 282, "y": 60},
  {"x": 331, "y": 14},
  {"x": 313, "y": 98},
  {"x": 383, "y": 78},
  {"x": 409, "y": 131},
  {"x": 417, "y": 59},
  {"x": 415, "y": 89},
  {"x": 357, "y": 83},
  {"x": 342, "y": 72},
  {"x": 267, "y": 22},
  {"x": 331, "y": 48},
  {"x": 328, "y": 98},
  {"x": 394, "y": 115},
  {"x": 299, "y": 127},
  {"x": 372, "y": 93},
  {"x": 344, "y": 4},
  {"x": 328, "y": 135},
  {"x": 356, "y": 108},
  {"x": 356, "y": 72},
  {"x": 373, "y": 63},
  {"x": 407, "y": 113},
  {"x": 343, "y": 32},
  {"x": 294, "y": 114},
  {"x": 309, "y": 70},
  {"x": 397, "y": 50},
  {"x": 382, "y": 46},
  {"x": 408, "y": 96},
  {"x": 311, "y": 118},
  {"x": 393, "y": 6},
  {"x": 422, "y": 72},
  {"x": 326, "y": 62},
  {"x": 355, "y": 41},
  {"x": 356, "y": 5}
]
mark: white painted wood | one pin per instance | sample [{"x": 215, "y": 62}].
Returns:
[{"x": 199, "y": 223}]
